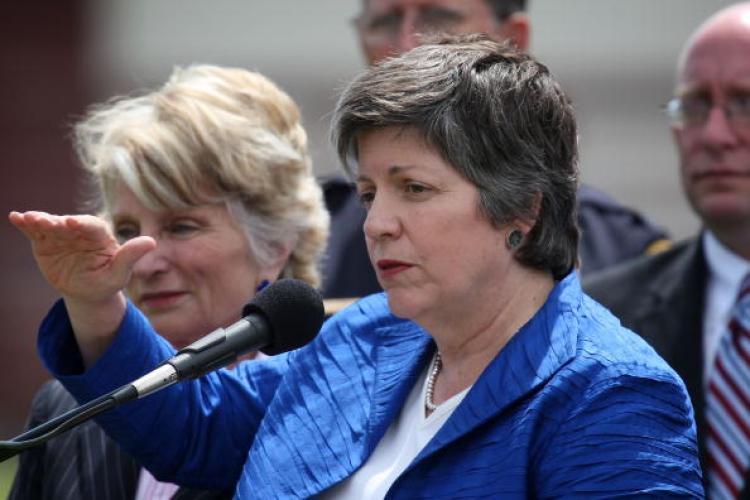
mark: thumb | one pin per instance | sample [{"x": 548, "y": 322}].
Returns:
[{"x": 129, "y": 253}]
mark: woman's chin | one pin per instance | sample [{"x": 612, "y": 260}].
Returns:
[
  {"x": 177, "y": 331},
  {"x": 404, "y": 305}
]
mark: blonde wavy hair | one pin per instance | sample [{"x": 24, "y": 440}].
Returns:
[{"x": 214, "y": 134}]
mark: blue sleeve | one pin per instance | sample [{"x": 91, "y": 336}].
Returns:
[
  {"x": 627, "y": 436},
  {"x": 195, "y": 433}
]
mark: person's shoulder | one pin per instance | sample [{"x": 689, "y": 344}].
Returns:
[
  {"x": 617, "y": 384},
  {"x": 614, "y": 363},
  {"x": 640, "y": 273},
  {"x": 602, "y": 345},
  {"x": 604, "y": 341},
  {"x": 595, "y": 201},
  {"x": 52, "y": 399},
  {"x": 613, "y": 232}
]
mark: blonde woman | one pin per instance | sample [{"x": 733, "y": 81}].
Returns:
[{"x": 214, "y": 168}]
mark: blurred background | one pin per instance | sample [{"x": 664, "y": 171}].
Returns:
[{"x": 616, "y": 59}]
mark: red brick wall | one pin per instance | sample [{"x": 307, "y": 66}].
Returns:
[{"x": 42, "y": 90}]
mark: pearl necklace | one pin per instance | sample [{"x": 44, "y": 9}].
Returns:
[{"x": 437, "y": 364}]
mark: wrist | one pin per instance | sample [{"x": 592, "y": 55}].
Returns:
[{"x": 95, "y": 323}]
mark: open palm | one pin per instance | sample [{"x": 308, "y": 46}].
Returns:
[{"x": 78, "y": 255}]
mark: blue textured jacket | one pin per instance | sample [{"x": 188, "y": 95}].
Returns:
[{"x": 573, "y": 406}]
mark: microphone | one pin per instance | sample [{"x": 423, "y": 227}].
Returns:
[{"x": 283, "y": 316}]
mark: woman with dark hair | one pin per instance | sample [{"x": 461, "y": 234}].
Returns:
[{"x": 482, "y": 371}]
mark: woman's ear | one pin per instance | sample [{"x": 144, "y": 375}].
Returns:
[
  {"x": 527, "y": 224},
  {"x": 273, "y": 271}
]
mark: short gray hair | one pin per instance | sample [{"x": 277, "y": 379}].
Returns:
[
  {"x": 497, "y": 116},
  {"x": 209, "y": 135}
]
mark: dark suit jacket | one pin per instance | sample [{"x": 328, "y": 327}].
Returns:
[
  {"x": 82, "y": 463},
  {"x": 610, "y": 233},
  {"x": 661, "y": 298}
]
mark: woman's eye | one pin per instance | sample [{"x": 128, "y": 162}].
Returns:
[
  {"x": 366, "y": 198},
  {"x": 416, "y": 188},
  {"x": 125, "y": 232},
  {"x": 182, "y": 228}
]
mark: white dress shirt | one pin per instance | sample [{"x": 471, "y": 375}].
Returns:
[{"x": 726, "y": 270}]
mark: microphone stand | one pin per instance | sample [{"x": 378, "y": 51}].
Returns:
[
  {"x": 68, "y": 420},
  {"x": 286, "y": 306},
  {"x": 217, "y": 349}
]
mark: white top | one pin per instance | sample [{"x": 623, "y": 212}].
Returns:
[
  {"x": 150, "y": 488},
  {"x": 726, "y": 271},
  {"x": 402, "y": 442}
]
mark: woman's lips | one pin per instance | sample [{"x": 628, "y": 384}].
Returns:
[
  {"x": 161, "y": 300},
  {"x": 388, "y": 268}
]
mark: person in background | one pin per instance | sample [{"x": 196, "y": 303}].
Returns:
[
  {"x": 214, "y": 167},
  {"x": 482, "y": 371},
  {"x": 610, "y": 232},
  {"x": 692, "y": 303}
]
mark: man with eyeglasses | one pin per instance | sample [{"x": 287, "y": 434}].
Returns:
[
  {"x": 391, "y": 27},
  {"x": 611, "y": 233},
  {"x": 692, "y": 302}
]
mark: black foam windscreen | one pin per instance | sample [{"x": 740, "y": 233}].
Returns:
[{"x": 294, "y": 311}]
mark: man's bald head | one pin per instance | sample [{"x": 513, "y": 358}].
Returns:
[
  {"x": 729, "y": 25},
  {"x": 711, "y": 127}
]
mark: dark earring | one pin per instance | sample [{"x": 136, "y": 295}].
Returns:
[
  {"x": 514, "y": 239},
  {"x": 262, "y": 285}
]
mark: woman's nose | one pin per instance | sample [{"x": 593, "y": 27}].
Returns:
[
  {"x": 382, "y": 220},
  {"x": 154, "y": 262}
]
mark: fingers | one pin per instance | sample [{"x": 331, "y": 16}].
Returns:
[
  {"x": 129, "y": 252},
  {"x": 78, "y": 254},
  {"x": 30, "y": 223},
  {"x": 40, "y": 227}
]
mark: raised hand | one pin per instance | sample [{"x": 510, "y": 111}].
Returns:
[
  {"x": 78, "y": 254},
  {"x": 81, "y": 259}
]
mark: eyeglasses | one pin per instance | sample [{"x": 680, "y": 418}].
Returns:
[
  {"x": 693, "y": 111},
  {"x": 429, "y": 20}
]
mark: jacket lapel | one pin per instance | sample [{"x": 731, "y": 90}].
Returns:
[{"x": 400, "y": 358}]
